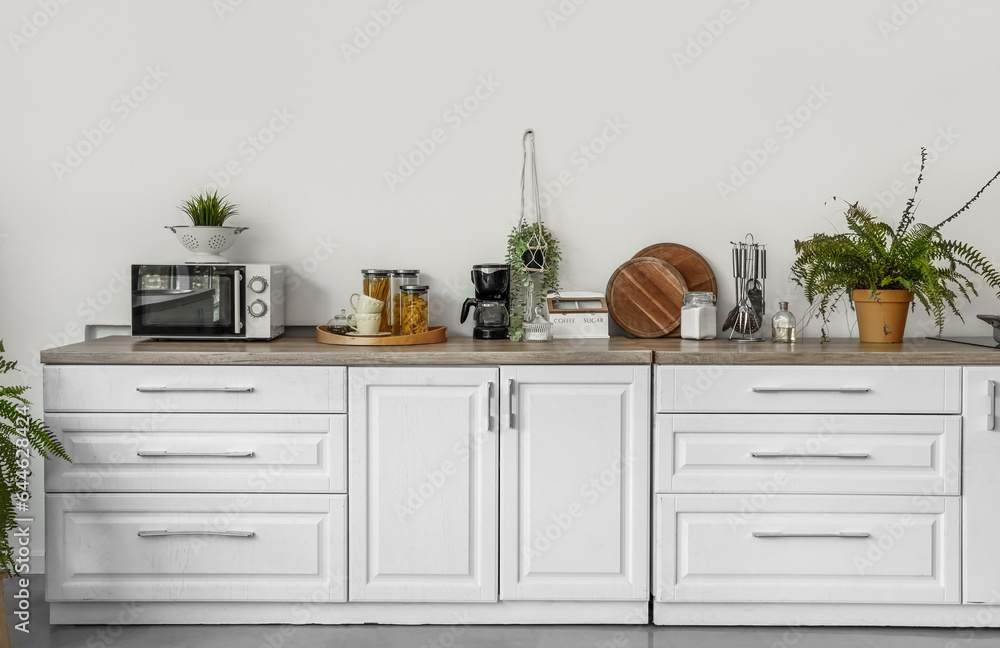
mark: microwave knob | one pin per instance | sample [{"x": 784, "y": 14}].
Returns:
[
  {"x": 257, "y": 308},
  {"x": 257, "y": 284}
]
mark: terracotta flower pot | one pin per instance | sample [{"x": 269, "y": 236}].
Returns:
[{"x": 882, "y": 316}]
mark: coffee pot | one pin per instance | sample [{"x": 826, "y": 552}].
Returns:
[{"x": 492, "y": 317}]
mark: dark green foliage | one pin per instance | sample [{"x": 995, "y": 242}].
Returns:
[
  {"x": 208, "y": 209},
  {"x": 518, "y": 241},
  {"x": 18, "y": 431},
  {"x": 873, "y": 256}
]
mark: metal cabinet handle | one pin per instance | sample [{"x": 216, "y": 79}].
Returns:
[
  {"x": 225, "y": 534},
  {"x": 840, "y": 534},
  {"x": 237, "y": 306},
  {"x": 489, "y": 406},
  {"x": 991, "y": 414},
  {"x": 811, "y": 390},
  {"x": 510, "y": 403},
  {"x": 194, "y": 389},
  {"x": 823, "y": 455},
  {"x": 168, "y": 453}
]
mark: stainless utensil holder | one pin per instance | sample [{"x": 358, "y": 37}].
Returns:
[{"x": 749, "y": 273}]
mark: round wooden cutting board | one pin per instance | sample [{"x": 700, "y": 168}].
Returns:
[
  {"x": 645, "y": 296},
  {"x": 692, "y": 266}
]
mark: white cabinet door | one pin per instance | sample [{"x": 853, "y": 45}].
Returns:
[
  {"x": 422, "y": 484},
  {"x": 981, "y": 484},
  {"x": 574, "y": 483},
  {"x": 195, "y": 547},
  {"x": 807, "y": 548}
]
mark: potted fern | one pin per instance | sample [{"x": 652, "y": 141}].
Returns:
[
  {"x": 20, "y": 434},
  {"x": 883, "y": 269},
  {"x": 207, "y": 236}
]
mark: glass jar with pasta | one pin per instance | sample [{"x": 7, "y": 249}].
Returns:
[
  {"x": 413, "y": 310},
  {"x": 399, "y": 278},
  {"x": 375, "y": 284}
]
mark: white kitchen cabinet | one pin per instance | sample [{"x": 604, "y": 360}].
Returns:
[
  {"x": 143, "y": 547},
  {"x": 814, "y": 453},
  {"x": 423, "y": 484},
  {"x": 801, "y": 389},
  {"x": 574, "y": 483},
  {"x": 237, "y": 453},
  {"x": 808, "y": 548},
  {"x": 981, "y": 485}
]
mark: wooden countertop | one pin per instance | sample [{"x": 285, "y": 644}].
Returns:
[
  {"x": 466, "y": 351},
  {"x": 307, "y": 351},
  {"x": 912, "y": 351}
]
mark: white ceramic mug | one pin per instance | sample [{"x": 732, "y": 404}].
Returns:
[
  {"x": 365, "y": 323},
  {"x": 366, "y": 304}
]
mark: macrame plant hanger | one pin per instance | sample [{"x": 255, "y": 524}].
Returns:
[{"x": 533, "y": 258}]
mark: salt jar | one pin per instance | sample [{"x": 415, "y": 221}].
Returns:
[{"x": 698, "y": 316}]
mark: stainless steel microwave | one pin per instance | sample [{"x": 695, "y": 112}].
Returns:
[{"x": 227, "y": 301}]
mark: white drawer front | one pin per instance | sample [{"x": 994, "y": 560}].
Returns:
[
  {"x": 841, "y": 390},
  {"x": 808, "y": 549},
  {"x": 255, "y": 453},
  {"x": 727, "y": 453},
  {"x": 168, "y": 388},
  {"x": 297, "y": 552}
]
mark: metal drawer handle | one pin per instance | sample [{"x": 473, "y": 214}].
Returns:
[
  {"x": 489, "y": 406},
  {"x": 811, "y": 390},
  {"x": 194, "y": 389},
  {"x": 822, "y": 455},
  {"x": 841, "y": 534},
  {"x": 168, "y": 453},
  {"x": 510, "y": 403},
  {"x": 225, "y": 534},
  {"x": 991, "y": 416}
]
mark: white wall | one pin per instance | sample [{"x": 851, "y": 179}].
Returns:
[{"x": 885, "y": 76}]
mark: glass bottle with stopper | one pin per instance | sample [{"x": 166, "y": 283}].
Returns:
[{"x": 783, "y": 325}]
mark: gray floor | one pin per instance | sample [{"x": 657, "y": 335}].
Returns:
[{"x": 42, "y": 635}]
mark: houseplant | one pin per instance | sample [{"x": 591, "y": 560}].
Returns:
[
  {"x": 19, "y": 435},
  {"x": 884, "y": 268},
  {"x": 532, "y": 251},
  {"x": 207, "y": 236}
]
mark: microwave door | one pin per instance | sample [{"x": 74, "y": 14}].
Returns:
[{"x": 181, "y": 301}]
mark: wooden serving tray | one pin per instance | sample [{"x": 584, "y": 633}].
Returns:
[{"x": 433, "y": 336}]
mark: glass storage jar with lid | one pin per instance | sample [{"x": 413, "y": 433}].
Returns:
[
  {"x": 375, "y": 284},
  {"x": 413, "y": 311},
  {"x": 698, "y": 316},
  {"x": 399, "y": 278}
]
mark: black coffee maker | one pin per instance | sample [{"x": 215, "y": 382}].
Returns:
[{"x": 492, "y": 301}]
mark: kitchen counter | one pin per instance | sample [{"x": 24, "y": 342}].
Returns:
[
  {"x": 912, "y": 351},
  {"x": 465, "y": 351},
  {"x": 124, "y": 350}
]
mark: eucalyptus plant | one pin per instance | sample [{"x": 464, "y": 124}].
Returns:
[
  {"x": 20, "y": 433},
  {"x": 208, "y": 210},
  {"x": 873, "y": 255},
  {"x": 527, "y": 235}
]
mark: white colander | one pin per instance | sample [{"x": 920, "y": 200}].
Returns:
[{"x": 207, "y": 243}]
